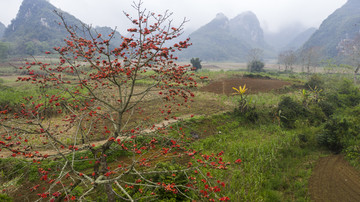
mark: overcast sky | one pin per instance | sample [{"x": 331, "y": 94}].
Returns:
[{"x": 272, "y": 14}]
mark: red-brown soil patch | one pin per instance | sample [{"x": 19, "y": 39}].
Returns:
[
  {"x": 254, "y": 85},
  {"x": 334, "y": 179}
]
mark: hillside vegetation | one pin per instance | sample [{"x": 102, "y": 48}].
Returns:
[
  {"x": 341, "y": 25},
  {"x": 39, "y": 14}
]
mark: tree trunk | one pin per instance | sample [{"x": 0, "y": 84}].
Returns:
[
  {"x": 103, "y": 163},
  {"x": 109, "y": 192}
]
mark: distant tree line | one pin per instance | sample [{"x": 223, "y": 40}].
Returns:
[{"x": 307, "y": 58}]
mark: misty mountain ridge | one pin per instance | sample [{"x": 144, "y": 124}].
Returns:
[
  {"x": 280, "y": 39},
  {"x": 300, "y": 39},
  {"x": 224, "y": 39},
  {"x": 36, "y": 28},
  {"x": 343, "y": 24}
]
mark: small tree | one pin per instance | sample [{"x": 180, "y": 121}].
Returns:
[
  {"x": 255, "y": 66},
  {"x": 255, "y": 54},
  {"x": 309, "y": 58},
  {"x": 81, "y": 131},
  {"x": 196, "y": 63},
  {"x": 254, "y": 60},
  {"x": 288, "y": 59}
]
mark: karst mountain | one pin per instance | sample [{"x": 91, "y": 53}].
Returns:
[
  {"x": 340, "y": 26},
  {"x": 36, "y": 28},
  {"x": 224, "y": 39}
]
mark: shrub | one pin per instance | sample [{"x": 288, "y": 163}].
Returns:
[
  {"x": 342, "y": 130},
  {"x": 255, "y": 66},
  {"x": 196, "y": 63},
  {"x": 315, "y": 114},
  {"x": 5, "y": 198},
  {"x": 249, "y": 115},
  {"x": 331, "y": 138},
  {"x": 9, "y": 97},
  {"x": 349, "y": 94},
  {"x": 327, "y": 107},
  {"x": 315, "y": 81},
  {"x": 345, "y": 94},
  {"x": 289, "y": 111},
  {"x": 256, "y": 76}
]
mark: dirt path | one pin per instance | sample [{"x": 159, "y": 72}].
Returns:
[
  {"x": 333, "y": 179},
  {"x": 53, "y": 152}
]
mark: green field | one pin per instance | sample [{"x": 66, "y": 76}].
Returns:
[{"x": 279, "y": 135}]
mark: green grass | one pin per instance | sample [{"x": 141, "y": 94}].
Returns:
[
  {"x": 12, "y": 97},
  {"x": 276, "y": 164}
]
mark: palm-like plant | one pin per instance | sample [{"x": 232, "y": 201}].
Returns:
[{"x": 243, "y": 102}]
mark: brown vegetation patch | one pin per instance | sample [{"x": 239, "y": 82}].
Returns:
[{"x": 254, "y": 85}]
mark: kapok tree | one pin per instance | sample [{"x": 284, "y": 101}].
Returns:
[{"x": 84, "y": 130}]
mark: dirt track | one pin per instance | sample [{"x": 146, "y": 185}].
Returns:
[
  {"x": 254, "y": 85},
  {"x": 333, "y": 179},
  {"x": 53, "y": 152}
]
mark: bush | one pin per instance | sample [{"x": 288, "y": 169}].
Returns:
[
  {"x": 250, "y": 114},
  {"x": 349, "y": 94},
  {"x": 331, "y": 138},
  {"x": 255, "y": 66},
  {"x": 5, "y": 198},
  {"x": 256, "y": 76},
  {"x": 316, "y": 114},
  {"x": 342, "y": 130},
  {"x": 289, "y": 111},
  {"x": 327, "y": 107},
  {"x": 196, "y": 63},
  {"x": 345, "y": 94},
  {"x": 11, "y": 98},
  {"x": 314, "y": 82}
]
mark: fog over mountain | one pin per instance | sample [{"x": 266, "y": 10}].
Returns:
[
  {"x": 224, "y": 39},
  {"x": 272, "y": 14},
  {"x": 35, "y": 30},
  {"x": 300, "y": 39},
  {"x": 281, "y": 38}
]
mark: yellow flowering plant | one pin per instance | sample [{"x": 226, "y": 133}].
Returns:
[
  {"x": 243, "y": 102},
  {"x": 241, "y": 90}
]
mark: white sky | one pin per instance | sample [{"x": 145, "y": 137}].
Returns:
[{"x": 272, "y": 14}]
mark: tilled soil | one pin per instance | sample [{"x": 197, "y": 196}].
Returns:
[
  {"x": 334, "y": 179},
  {"x": 254, "y": 85}
]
